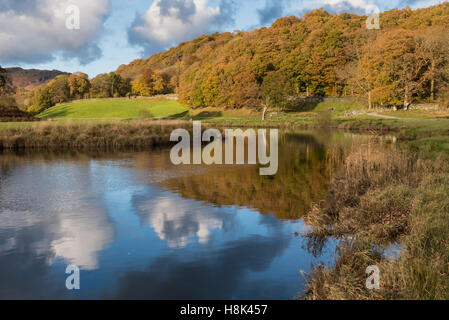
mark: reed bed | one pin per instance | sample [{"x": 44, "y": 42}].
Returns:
[
  {"x": 89, "y": 135},
  {"x": 379, "y": 199}
]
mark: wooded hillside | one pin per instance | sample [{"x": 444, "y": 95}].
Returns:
[{"x": 318, "y": 54}]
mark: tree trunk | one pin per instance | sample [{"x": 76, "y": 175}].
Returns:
[
  {"x": 370, "y": 104},
  {"x": 432, "y": 89},
  {"x": 406, "y": 100},
  {"x": 432, "y": 82},
  {"x": 307, "y": 91},
  {"x": 264, "y": 112}
]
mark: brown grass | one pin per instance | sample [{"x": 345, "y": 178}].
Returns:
[
  {"x": 113, "y": 135},
  {"x": 378, "y": 199},
  {"x": 371, "y": 195}
]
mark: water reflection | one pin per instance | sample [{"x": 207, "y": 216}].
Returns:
[
  {"x": 178, "y": 221},
  {"x": 301, "y": 179},
  {"x": 223, "y": 275},
  {"x": 140, "y": 227}
]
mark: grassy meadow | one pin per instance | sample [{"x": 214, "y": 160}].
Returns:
[
  {"x": 336, "y": 114},
  {"x": 115, "y": 109}
]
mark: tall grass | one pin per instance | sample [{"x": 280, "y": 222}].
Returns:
[
  {"x": 78, "y": 135},
  {"x": 376, "y": 200}
]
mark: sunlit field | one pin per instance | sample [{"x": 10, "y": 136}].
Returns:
[{"x": 115, "y": 108}]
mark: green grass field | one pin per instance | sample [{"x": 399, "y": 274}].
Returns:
[
  {"x": 114, "y": 109},
  {"x": 407, "y": 123}
]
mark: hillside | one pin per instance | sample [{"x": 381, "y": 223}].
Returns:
[
  {"x": 29, "y": 79},
  {"x": 318, "y": 54}
]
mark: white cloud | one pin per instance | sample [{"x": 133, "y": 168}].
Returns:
[
  {"x": 82, "y": 239},
  {"x": 178, "y": 221},
  {"x": 169, "y": 22},
  {"x": 353, "y": 6},
  {"x": 34, "y": 31},
  {"x": 274, "y": 9},
  {"x": 63, "y": 220},
  {"x": 75, "y": 237}
]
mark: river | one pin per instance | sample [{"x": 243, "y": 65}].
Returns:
[{"x": 139, "y": 227}]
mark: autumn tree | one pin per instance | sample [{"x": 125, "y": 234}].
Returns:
[
  {"x": 151, "y": 83},
  {"x": 79, "y": 85},
  {"x": 143, "y": 85},
  {"x": 41, "y": 99},
  {"x": 99, "y": 87},
  {"x": 277, "y": 91},
  {"x": 59, "y": 89},
  {"x": 355, "y": 74},
  {"x": 244, "y": 91},
  {"x": 112, "y": 83},
  {"x": 394, "y": 68},
  {"x": 139, "y": 88},
  {"x": 109, "y": 85},
  {"x": 433, "y": 48},
  {"x": 179, "y": 66},
  {"x": 160, "y": 82},
  {"x": 124, "y": 87}
]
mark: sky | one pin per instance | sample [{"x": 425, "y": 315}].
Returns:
[{"x": 44, "y": 34}]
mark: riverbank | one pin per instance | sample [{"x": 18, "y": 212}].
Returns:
[
  {"x": 406, "y": 125},
  {"x": 377, "y": 201},
  {"x": 69, "y": 133},
  {"x": 91, "y": 135}
]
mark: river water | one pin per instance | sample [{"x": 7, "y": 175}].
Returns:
[{"x": 139, "y": 227}]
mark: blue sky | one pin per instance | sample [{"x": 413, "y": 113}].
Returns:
[{"x": 115, "y": 32}]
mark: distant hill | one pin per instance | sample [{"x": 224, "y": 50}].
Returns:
[{"x": 32, "y": 78}]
